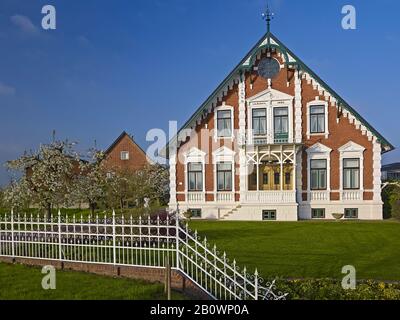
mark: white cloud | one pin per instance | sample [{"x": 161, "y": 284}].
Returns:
[
  {"x": 6, "y": 90},
  {"x": 24, "y": 24}
]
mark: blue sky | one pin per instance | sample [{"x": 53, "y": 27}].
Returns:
[{"x": 133, "y": 65}]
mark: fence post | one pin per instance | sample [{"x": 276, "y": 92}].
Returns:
[
  {"x": 256, "y": 285},
  {"x": 113, "y": 233},
  {"x": 59, "y": 236},
  {"x": 177, "y": 239},
  {"x": 12, "y": 234}
]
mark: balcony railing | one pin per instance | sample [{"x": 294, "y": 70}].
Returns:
[
  {"x": 269, "y": 197},
  {"x": 319, "y": 196},
  {"x": 224, "y": 197},
  {"x": 281, "y": 138},
  {"x": 351, "y": 195},
  {"x": 195, "y": 197}
]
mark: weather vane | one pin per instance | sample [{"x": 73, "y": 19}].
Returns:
[{"x": 268, "y": 16}]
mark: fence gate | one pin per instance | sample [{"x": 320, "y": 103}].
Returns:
[{"x": 141, "y": 242}]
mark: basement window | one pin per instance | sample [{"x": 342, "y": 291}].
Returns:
[
  {"x": 196, "y": 213},
  {"x": 269, "y": 215},
  {"x": 351, "y": 213},
  {"x": 318, "y": 213}
]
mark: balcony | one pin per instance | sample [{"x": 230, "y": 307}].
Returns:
[
  {"x": 277, "y": 138},
  {"x": 269, "y": 197}
]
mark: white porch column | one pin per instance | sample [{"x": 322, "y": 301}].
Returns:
[
  {"x": 258, "y": 169},
  {"x": 299, "y": 175},
  {"x": 172, "y": 182},
  {"x": 242, "y": 136},
  {"x": 297, "y": 107},
  {"x": 377, "y": 158}
]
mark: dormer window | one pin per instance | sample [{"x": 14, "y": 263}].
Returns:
[{"x": 124, "y": 155}]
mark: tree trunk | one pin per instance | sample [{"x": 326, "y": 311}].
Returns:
[
  {"x": 92, "y": 207},
  {"x": 48, "y": 210}
]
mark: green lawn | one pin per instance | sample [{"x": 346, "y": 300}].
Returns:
[
  {"x": 309, "y": 249},
  {"x": 24, "y": 283}
]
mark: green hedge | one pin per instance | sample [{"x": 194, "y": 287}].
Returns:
[{"x": 326, "y": 289}]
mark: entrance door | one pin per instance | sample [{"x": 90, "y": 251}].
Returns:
[{"x": 270, "y": 177}]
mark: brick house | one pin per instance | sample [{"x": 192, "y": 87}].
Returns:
[
  {"x": 275, "y": 142},
  {"x": 124, "y": 154}
]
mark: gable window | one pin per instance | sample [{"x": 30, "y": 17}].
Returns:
[
  {"x": 317, "y": 119},
  {"x": 224, "y": 123},
  {"x": 351, "y": 213},
  {"x": 281, "y": 124},
  {"x": 224, "y": 176},
  {"x": 318, "y": 213},
  {"x": 351, "y": 174},
  {"x": 318, "y": 174},
  {"x": 269, "y": 215},
  {"x": 124, "y": 155},
  {"x": 195, "y": 177},
  {"x": 259, "y": 117}
]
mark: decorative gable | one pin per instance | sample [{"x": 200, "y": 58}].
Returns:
[
  {"x": 223, "y": 154},
  {"x": 319, "y": 148},
  {"x": 194, "y": 155},
  {"x": 351, "y": 147},
  {"x": 269, "y": 95}
]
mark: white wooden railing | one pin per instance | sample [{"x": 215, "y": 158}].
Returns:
[
  {"x": 149, "y": 242},
  {"x": 270, "y": 196}
]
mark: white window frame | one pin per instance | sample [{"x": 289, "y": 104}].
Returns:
[
  {"x": 319, "y": 152},
  {"x": 352, "y": 150},
  {"x": 314, "y": 104},
  {"x": 124, "y": 153},
  {"x": 224, "y": 107},
  {"x": 224, "y": 154},
  {"x": 194, "y": 155}
]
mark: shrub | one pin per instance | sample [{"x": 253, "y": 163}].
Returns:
[{"x": 326, "y": 289}]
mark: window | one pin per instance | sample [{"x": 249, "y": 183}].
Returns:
[
  {"x": 224, "y": 176},
  {"x": 281, "y": 120},
  {"x": 259, "y": 122},
  {"x": 287, "y": 177},
  {"x": 351, "y": 213},
  {"x": 265, "y": 178},
  {"x": 195, "y": 176},
  {"x": 224, "y": 123},
  {"x": 317, "y": 119},
  {"x": 277, "y": 178},
  {"x": 318, "y": 174},
  {"x": 269, "y": 215},
  {"x": 318, "y": 213},
  {"x": 124, "y": 155},
  {"x": 351, "y": 174},
  {"x": 196, "y": 213}
]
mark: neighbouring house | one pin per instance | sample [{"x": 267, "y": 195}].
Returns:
[
  {"x": 124, "y": 154},
  {"x": 275, "y": 142},
  {"x": 391, "y": 172}
]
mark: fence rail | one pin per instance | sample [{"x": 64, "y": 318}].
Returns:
[{"x": 141, "y": 242}]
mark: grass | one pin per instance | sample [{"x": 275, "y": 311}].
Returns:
[
  {"x": 309, "y": 249},
  {"x": 18, "y": 282}
]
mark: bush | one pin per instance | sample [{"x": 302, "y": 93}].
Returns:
[
  {"x": 326, "y": 289},
  {"x": 391, "y": 199}
]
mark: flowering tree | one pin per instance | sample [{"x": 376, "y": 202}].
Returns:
[
  {"x": 90, "y": 184},
  {"x": 47, "y": 174},
  {"x": 17, "y": 195}
]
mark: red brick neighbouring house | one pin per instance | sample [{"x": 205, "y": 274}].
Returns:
[
  {"x": 275, "y": 142},
  {"x": 124, "y": 154}
]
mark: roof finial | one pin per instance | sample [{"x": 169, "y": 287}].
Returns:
[{"x": 268, "y": 16}]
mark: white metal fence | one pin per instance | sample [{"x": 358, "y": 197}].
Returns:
[{"x": 142, "y": 242}]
